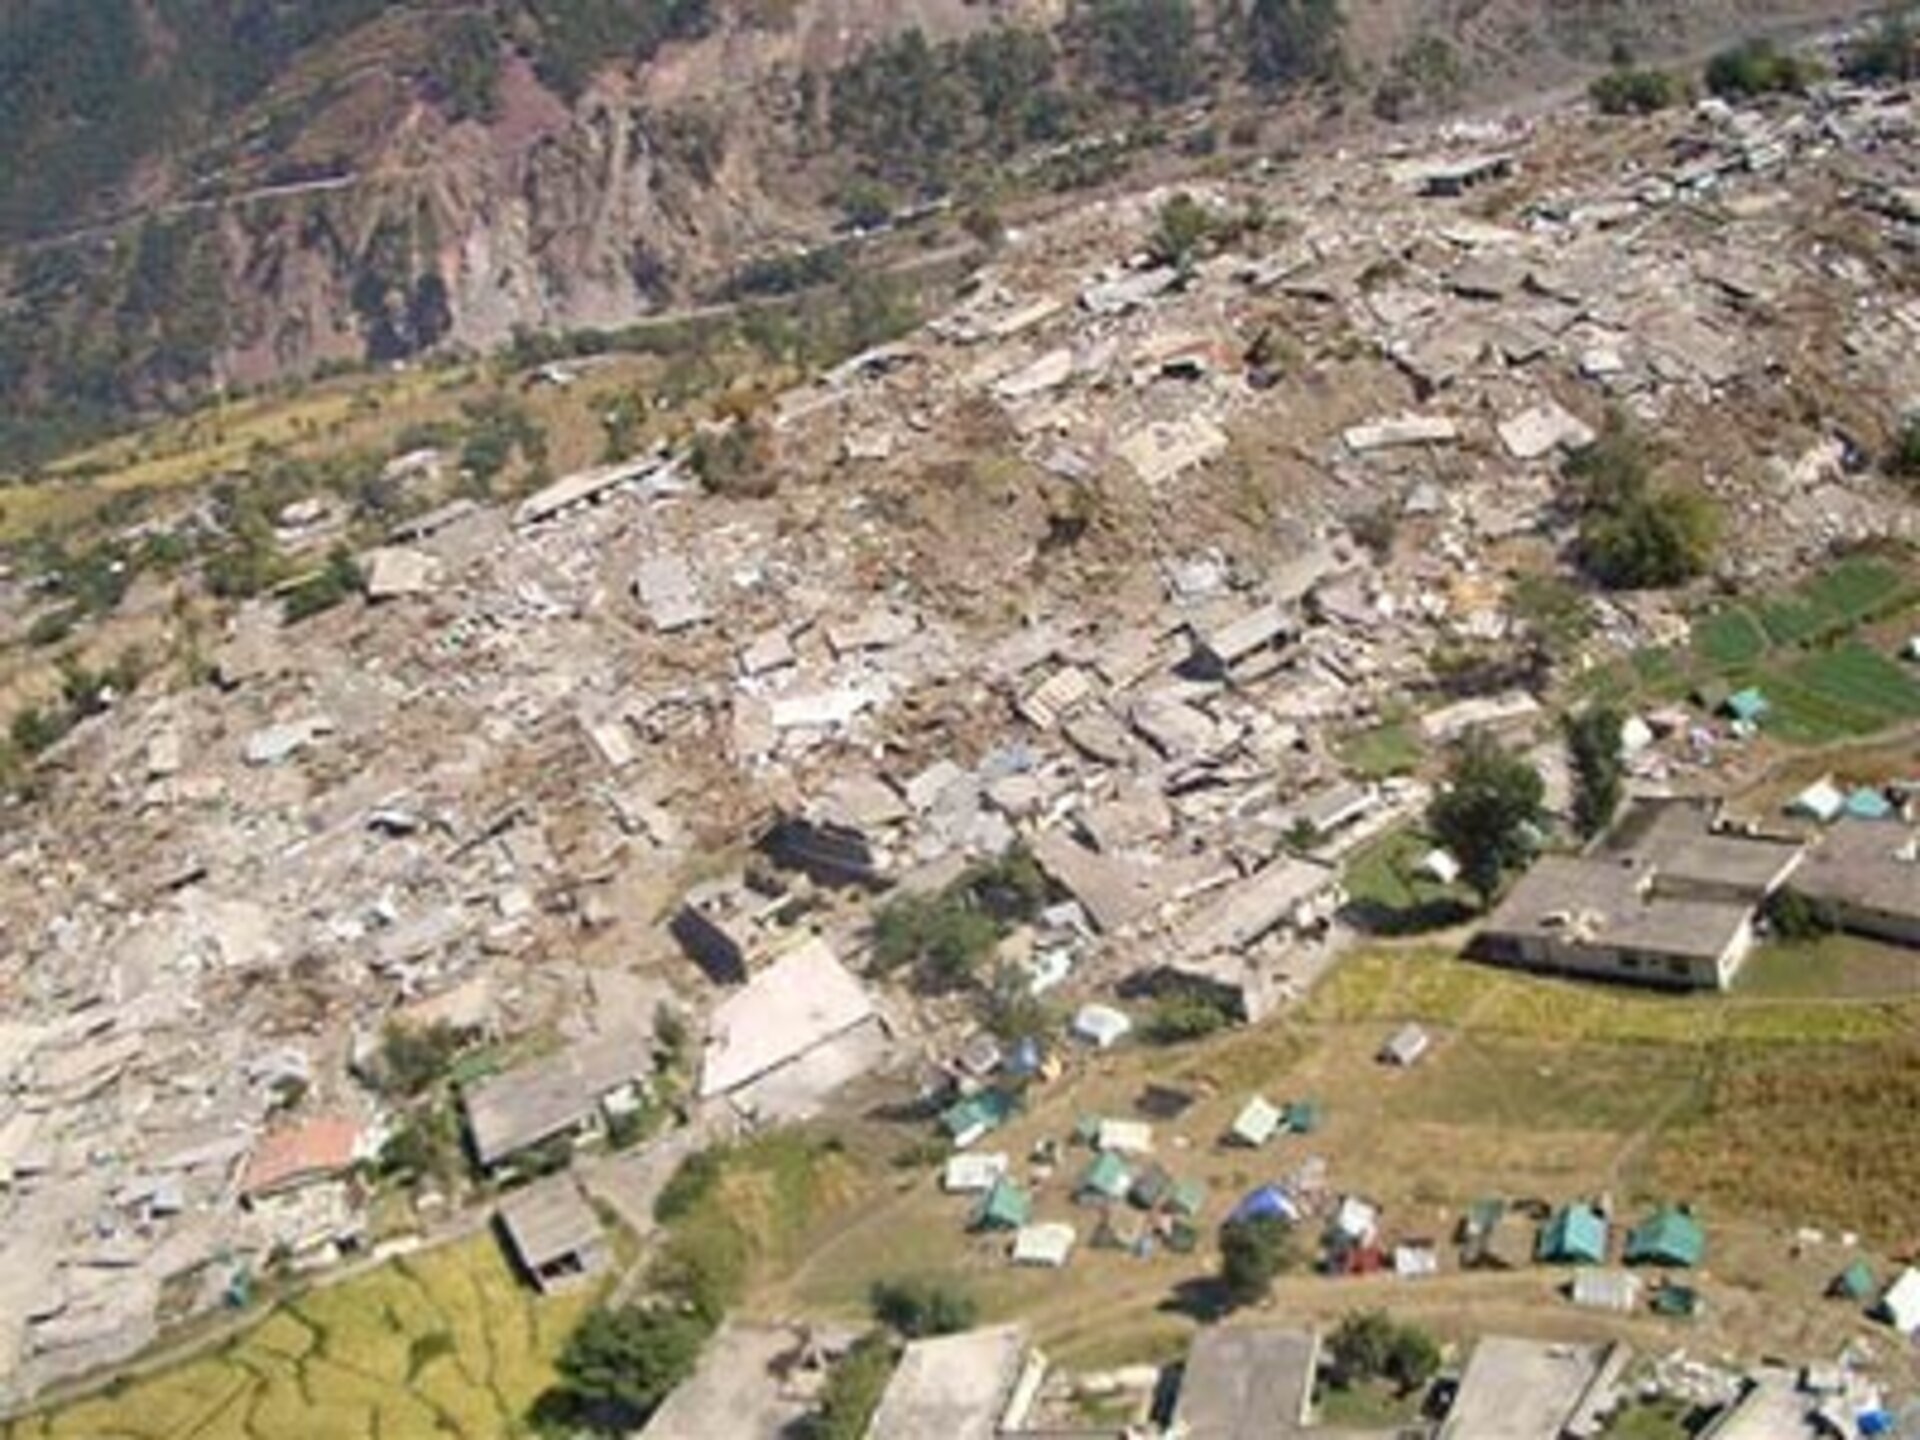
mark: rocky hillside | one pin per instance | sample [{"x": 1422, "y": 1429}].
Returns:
[{"x": 222, "y": 192}]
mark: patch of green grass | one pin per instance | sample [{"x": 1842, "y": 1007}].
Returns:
[
  {"x": 1652, "y": 1420},
  {"x": 1513, "y": 1084},
  {"x": 1662, "y": 671},
  {"x": 1729, "y": 639},
  {"x": 1388, "y": 895},
  {"x": 1366, "y": 1407},
  {"x": 1832, "y": 966},
  {"x": 1861, "y": 679},
  {"x": 1390, "y": 749}
]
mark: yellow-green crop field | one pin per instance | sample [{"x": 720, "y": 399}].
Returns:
[{"x": 443, "y": 1345}]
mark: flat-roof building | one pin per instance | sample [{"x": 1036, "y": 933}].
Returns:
[{"x": 553, "y": 1233}]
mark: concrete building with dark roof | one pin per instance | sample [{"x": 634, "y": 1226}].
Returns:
[
  {"x": 1604, "y": 918},
  {"x": 1867, "y": 875},
  {"x": 1247, "y": 1383},
  {"x": 552, "y": 1233},
  {"x": 567, "y": 1093},
  {"x": 1666, "y": 900}
]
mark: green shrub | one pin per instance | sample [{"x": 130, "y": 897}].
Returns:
[
  {"x": 918, "y": 1308},
  {"x": 1756, "y": 68},
  {"x": 1634, "y": 91}
]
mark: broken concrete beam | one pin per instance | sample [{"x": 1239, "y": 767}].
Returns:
[
  {"x": 1401, "y": 431},
  {"x": 1049, "y": 372}
]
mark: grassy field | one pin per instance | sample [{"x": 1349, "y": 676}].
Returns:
[
  {"x": 1833, "y": 965},
  {"x": 1813, "y": 650},
  {"x": 1534, "y": 1088},
  {"x": 1393, "y": 748},
  {"x": 443, "y": 1345},
  {"x": 1387, "y": 894}
]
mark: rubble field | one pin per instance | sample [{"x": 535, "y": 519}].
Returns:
[{"x": 1130, "y": 589}]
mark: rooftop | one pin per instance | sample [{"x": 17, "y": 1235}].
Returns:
[
  {"x": 740, "y": 1389},
  {"x": 535, "y": 1101},
  {"x": 313, "y": 1151},
  {"x": 1521, "y": 1389},
  {"x": 548, "y": 1222},
  {"x": 802, "y": 1000},
  {"x": 1867, "y": 863},
  {"x": 1243, "y": 1383},
  {"x": 1608, "y": 903},
  {"x": 1677, "y": 841},
  {"x": 956, "y": 1387}
]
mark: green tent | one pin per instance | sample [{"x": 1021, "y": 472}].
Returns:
[
  {"x": 1483, "y": 1218},
  {"x": 1105, "y": 1179},
  {"x": 1856, "y": 1283},
  {"x": 1189, "y": 1198},
  {"x": 1150, "y": 1188},
  {"x": 1007, "y": 1207},
  {"x": 1669, "y": 1236},
  {"x": 1303, "y": 1117},
  {"x": 1576, "y": 1236},
  {"x": 976, "y": 1116},
  {"x": 1676, "y": 1302}
]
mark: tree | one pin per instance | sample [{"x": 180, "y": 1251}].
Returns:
[
  {"x": 1484, "y": 811},
  {"x": 1412, "y": 1359},
  {"x": 1903, "y": 459},
  {"x": 414, "y": 1057},
  {"x": 853, "y": 1390},
  {"x": 1593, "y": 742},
  {"x": 1183, "y": 231},
  {"x": 1653, "y": 540},
  {"x": 917, "y": 1308},
  {"x": 1361, "y": 1346},
  {"x": 1757, "y": 68},
  {"x": 1634, "y": 536},
  {"x": 1627, "y": 90},
  {"x": 1890, "y": 52},
  {"x": 1184, "y": 1017},
  {"x": 1145, "y": 49},
  {"x": 1252, "y": 1253},
  {"x": 1293, "y": 41},
  {"x": 1554, "y": 611},
  {"x": 619, "y": 1364}
]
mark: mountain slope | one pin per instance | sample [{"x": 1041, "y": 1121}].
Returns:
[{"x": 228, "y": 191}]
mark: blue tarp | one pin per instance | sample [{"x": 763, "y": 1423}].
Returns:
[
  {"x": 1269, "y": 1202},
  {"x": 1026, "y": 1058},
  {"x": 1869, "y": 804}
]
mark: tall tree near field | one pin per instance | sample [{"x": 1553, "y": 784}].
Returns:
[
  {"x": 1483, "y": 813},
  {"x": 1593, "y": 743},
  {"x": 1292, "y": 42}
]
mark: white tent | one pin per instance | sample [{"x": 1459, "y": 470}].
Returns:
[
  {"x": 1101, "y": 1026},
  {"x": 970, "y": 1174},
  {"x": 1900, "y": 1306},
  {"x": 1257, "y": 1121},
  {"x": 1044, "y": 1245},
  {"x": 1127, "y": 1137}
]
